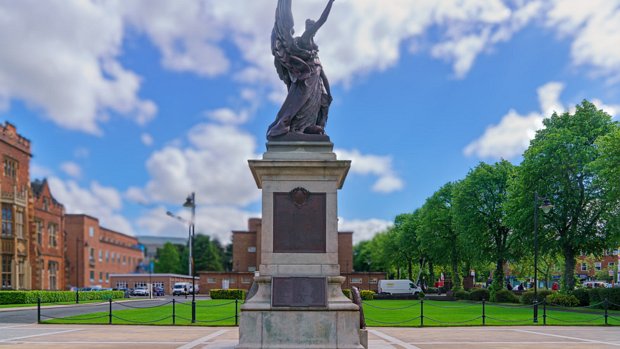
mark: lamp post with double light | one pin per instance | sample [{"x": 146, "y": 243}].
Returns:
[{"x": 545, "y": 207}]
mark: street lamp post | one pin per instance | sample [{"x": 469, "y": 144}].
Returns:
[
  {"x": 190, "y": 202},
  {"x": 546, "y": 207}
]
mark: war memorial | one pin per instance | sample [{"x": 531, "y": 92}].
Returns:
[{"x": 298, "y": 301}]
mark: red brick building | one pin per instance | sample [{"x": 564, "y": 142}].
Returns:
[
  {"x": 48, "y": 239},
  {"x": 588, "y": 265},
  {"x": 94, "y": 252},
  {"x": 247, "y": 258},
  {"x": 15, "y": 267}
]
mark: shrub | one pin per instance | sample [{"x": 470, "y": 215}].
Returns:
[
  {"x": 421, "y": 295},
  {"x": 561, "y": 299},
  {"x": 347, "y": 292},
  {"x": 227, "y": 294},
  {"x": 478, "y": 294},
  {"x": 461, "y": 295},
  {"x": 31, "y": 297},
  {"x": 367, "y": 295},
  {"x": 505, "y": 296},
  {"x": 528, "y": 297},
  {"x": 598, "y": 295},
  {"x": 583, "y": 296}
]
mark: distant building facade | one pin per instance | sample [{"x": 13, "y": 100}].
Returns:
[
  {"x": 94, "y": 252},
  {"x": 588, "y": 265},
  {"x": 15, "y": 261},
  {"x": 165, "y": 281},
  {"x": 48, "y": 239},
  {"x": 247, "y": 259}
]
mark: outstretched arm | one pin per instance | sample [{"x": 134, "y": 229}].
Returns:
[{"x": 318, "y": 24}]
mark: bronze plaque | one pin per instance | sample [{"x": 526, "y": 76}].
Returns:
[
  {"x": 299, "y": 222},
  {"x": 299, "y": 292}
]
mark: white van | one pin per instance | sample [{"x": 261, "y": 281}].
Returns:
[
  {"x": 181, "y": 288},
  {"x": 398, "y": 287}
]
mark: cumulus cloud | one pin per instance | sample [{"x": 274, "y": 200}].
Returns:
[
  {"x": 380, "y": 166},
  {"x": 38, "y": 171},
  {"x": 214, "y": 165},
  {"x": 363, "y": 229},
  {"x": 594, "y": 28},
  {"x": 71, "y": 169},
  {"x": 97, "y": 200},
  {"x": 512, "y": 135},
  {"x": 66, "y": 64}
]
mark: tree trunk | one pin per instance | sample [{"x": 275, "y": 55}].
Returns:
[
  {"x": 410, "y": 269},
  {"x": 431, "y": 273},
  {"x": 568, "y": 279},
  {"x": 498, "y": 275},
  {"x": 456, "y": 277}
]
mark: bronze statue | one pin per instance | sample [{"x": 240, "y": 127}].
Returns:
[{"x": 297, "y": 62}]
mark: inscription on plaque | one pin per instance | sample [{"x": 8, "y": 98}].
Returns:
[
  {"x": 299, "y": 220},
  {"x": 299, "y": 292}
]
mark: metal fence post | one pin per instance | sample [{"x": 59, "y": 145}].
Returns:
[
  {"x": 421, "y": 313},
  {"x": 544, "y": 311},
  {"x": 483, "y": 313},
  {"x": 606, "y": 302},
  {"x": 110, "y": 315},
  {"x": 174, "y": 320},
  {"x": 39, "y": 310},
  {"x": 236, "y": 312}
]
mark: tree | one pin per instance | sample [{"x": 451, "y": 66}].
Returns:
[
  {"x": 406, "y": 247},
  {"x": 362, "y": 260},
  {"x": 607, "y": 166},
  {"x": 479, "y": 214},
  {"x": 208, "y": 254},
  {"x": 437, "y": 235},
  {"x": 558, "y": 165},
  {"x": 168, "y": 259}
]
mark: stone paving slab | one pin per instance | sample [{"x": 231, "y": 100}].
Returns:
[{"x": 186, "y": 337}]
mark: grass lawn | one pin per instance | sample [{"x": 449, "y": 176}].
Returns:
[
  {"x": 406, "y": 313},
  {"x": 4, "y": 306},
  {"x": 219, "y": 312},
  {"x": 392, "y": 313}
]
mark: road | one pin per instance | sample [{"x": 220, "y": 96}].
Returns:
[{"x": 29, "y": 315}]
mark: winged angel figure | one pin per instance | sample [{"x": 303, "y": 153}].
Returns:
[{"x": 297, "y": 62}]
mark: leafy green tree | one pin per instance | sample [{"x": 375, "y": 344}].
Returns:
[
  {"x": 208, "y": 254},
  {"x": 607, "y": 166},
  {"x": 168, "y": 260},
  {"x": 406, "y": 247},
  {"x": 437, "y": 235},
  {"x": 479, "y": 214},
  {"x": 362, "y": 260},
  {"x": 558, "y": 165}
]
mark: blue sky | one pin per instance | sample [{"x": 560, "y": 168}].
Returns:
[{"x": 131, "y": 105}]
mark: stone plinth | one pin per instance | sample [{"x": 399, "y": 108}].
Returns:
[{"x": 299, "y": 253}]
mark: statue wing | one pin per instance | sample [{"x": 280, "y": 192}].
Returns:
[{"x": 282, "y": 40}]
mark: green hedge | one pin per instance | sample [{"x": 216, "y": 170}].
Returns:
[
  {"x": 528, "y": 297},
  {"x": 598, "y": 295},
  {"x": 561, "y": 299},
  {"x": 30, "y": 297},
  {"x": 505, "y": 296},
  {"x": 478, "y": 294},
  {"x": 461, "y": 295},
  {"x": 227, "y": 294},
  {"x": 582, "y": 295}
]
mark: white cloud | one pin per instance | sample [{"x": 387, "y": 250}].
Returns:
[
  {"x": 147, "y": 139},
  {"x": 512, "y": 135},
  {"x": 71, "y": 169},
  {"x": 66, "y": 65},
  {"x": 228, "y": 116},
  {"x": 363, "y": 229},
  {"x": 104, "y": 203},
  {"x": 214, "y": 165},
  {"x": 379, "y": 166},
  {"x": 38, "y": 171},
  {"x": 594, "y": 27}
]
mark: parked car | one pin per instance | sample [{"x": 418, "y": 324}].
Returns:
[
  {"x": 141, "y": 291},
  {"x": 596, "y": 284},
  {"x": 181, "y": 288},
  {"x": 158, "y": 291}
]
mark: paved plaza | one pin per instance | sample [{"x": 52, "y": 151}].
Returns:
[{"x": 96, "y": 336}]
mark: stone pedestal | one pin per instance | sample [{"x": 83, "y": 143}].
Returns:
[{"x": 299, "y": 302}]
